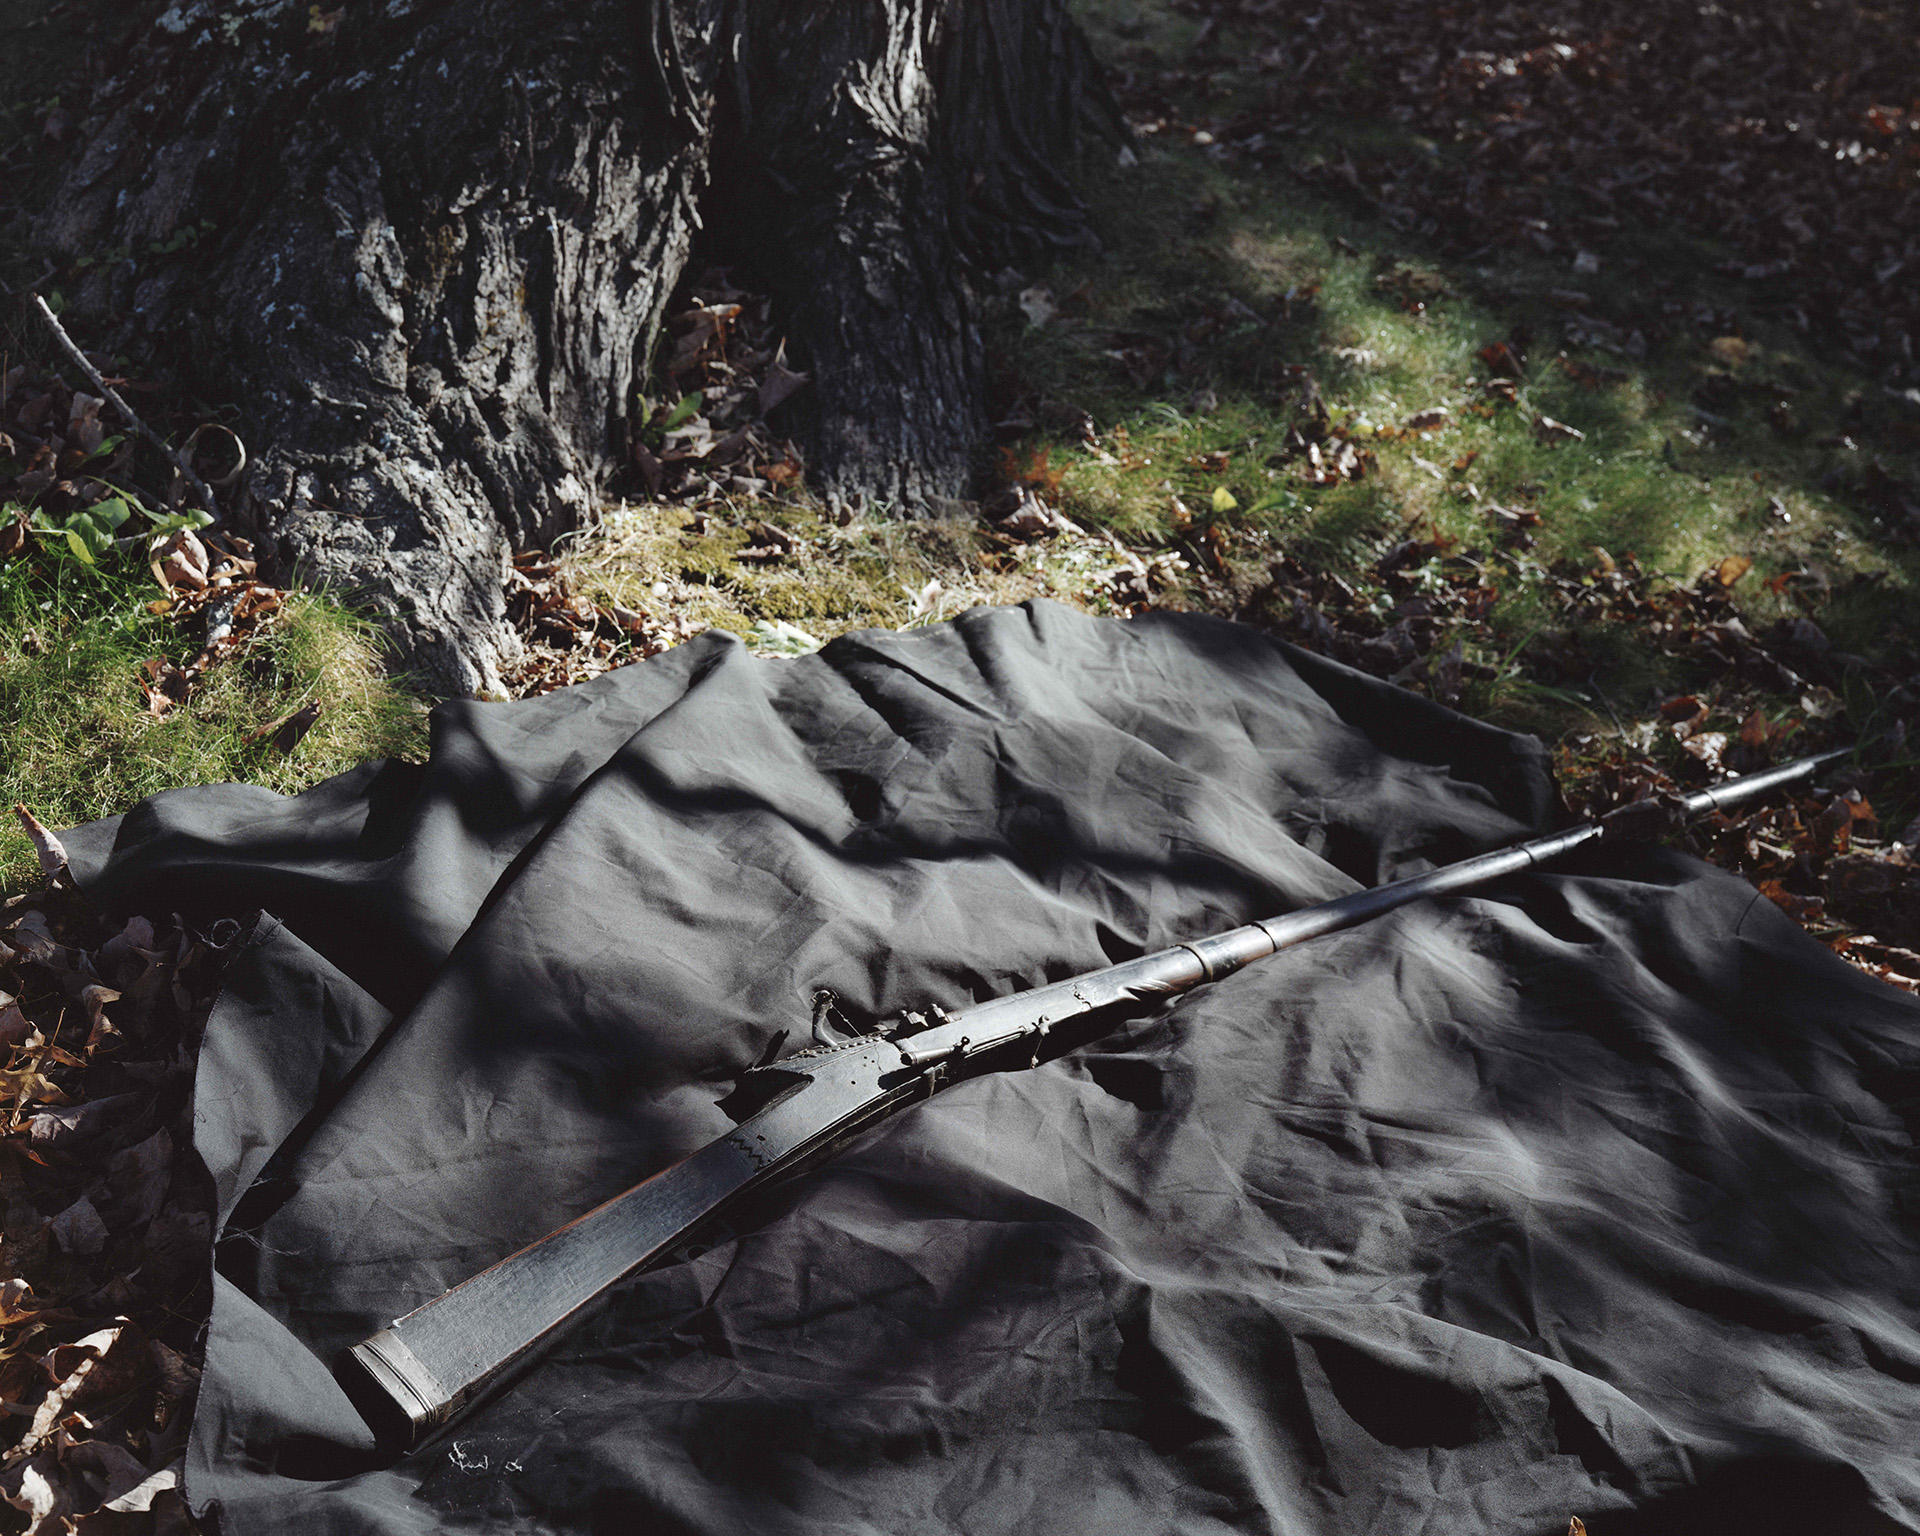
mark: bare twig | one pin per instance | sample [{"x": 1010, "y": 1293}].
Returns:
[
  {"x": 10, "y": 290},
  {"x": 79, "y": 360}
]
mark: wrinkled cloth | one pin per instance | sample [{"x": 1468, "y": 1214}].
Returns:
[{"x": 1592, "y": 1191}]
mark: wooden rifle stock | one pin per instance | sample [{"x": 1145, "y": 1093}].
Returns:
[{"x": 416, "y": 1375}]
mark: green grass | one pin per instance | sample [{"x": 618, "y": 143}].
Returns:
[
  {"x": 77, "y": 740},
  {"x": 1653, "y": 475},
  {"x": 1247, "y": 280},
  {"x": 1245, "y": 286}
]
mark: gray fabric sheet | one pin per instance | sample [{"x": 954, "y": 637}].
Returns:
[{"x": 1593, "y": 1192}]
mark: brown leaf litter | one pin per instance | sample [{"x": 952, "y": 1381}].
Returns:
[
  {"x": 707, "y": 438},
  {"x": 1790, "y": 136},
  {"x": 107, "y": 1220}
]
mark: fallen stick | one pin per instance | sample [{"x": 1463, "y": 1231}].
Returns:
[{"x": 112, "y": 396}]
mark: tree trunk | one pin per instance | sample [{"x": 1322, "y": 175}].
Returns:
[
  {"x": 425, "y": 248},
  {"x": 917, "y": 139}
]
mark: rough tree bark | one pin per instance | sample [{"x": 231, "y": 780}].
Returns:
[{"x": 424, "y": 247}]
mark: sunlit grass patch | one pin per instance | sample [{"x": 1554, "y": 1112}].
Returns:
[
  {"x": 1233, "y": 304},
  {"x": 78, "y": 741}
]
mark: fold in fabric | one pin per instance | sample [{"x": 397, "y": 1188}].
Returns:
[{"x": 1591, "y": 1192}]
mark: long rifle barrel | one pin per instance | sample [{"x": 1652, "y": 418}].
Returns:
[
  {"x": 1185, "y": 966},
  {"x": 412, "y": 1377}
]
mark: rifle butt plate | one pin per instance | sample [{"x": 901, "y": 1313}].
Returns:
[{"x": 401, "y": 1400}]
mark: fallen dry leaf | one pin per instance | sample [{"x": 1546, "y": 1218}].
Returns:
[
  {"x": 778, "y": 384},
  {"x": 51, "y": 852},
  {"x": 103, "y": 1399},
  {"x": 1707, "y": 747},
  {"x": 139, "y": 1176},
  {"x": 16, "y": 1297},
  {"x": 73, "y": 1366},
  {"x": 284, "y": 734},
  {"x": 45, "y": 1500},
  {"x": 13, "y": 1024},
  {"x": 1832, "y": 830},
  {"x": 164, "y": 684},
  {"x": 77, "y": 1123},
  {"x": 1037, "y": 304},
  {"x": 181, "y": 561},
  {"x": 78, "y": 1229},
  {"x": 123, "y": 1497}
]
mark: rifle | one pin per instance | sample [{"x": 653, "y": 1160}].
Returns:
[{"x": 414, "y": 1376}]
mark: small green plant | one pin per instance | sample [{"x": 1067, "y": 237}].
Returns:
[
  {"x": 89, "y": 533},
  {"x": 674, "y": 417}
]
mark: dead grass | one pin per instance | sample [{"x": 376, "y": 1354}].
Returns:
[{"x": 832, "y": 579}]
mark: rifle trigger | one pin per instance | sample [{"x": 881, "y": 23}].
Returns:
[{"x": 830, "y": 1026}]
